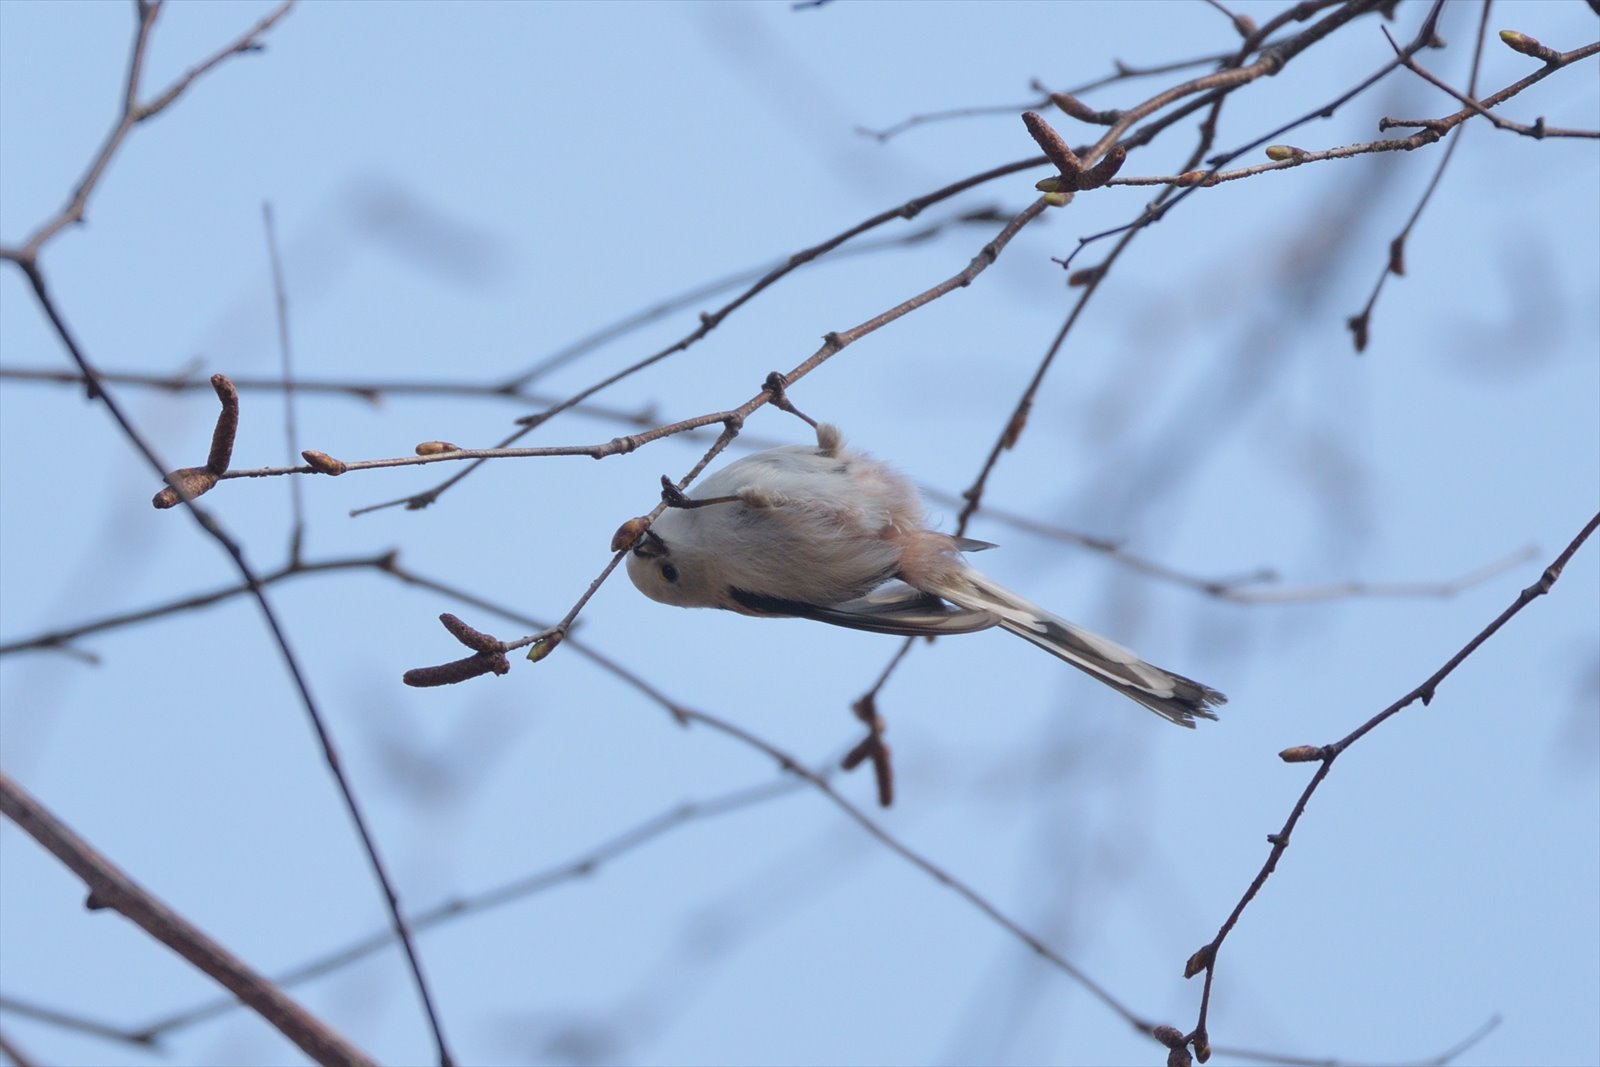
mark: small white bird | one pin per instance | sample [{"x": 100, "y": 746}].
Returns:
[{"x": 833, "y": 535}]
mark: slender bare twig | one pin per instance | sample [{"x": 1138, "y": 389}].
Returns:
[
  {"x": 63, "y": 638},
  {"x": 82, "y": 1024},
  {"x": 711, "y": 320},
  {"x": 110, "y": 888},
  {"x": 1122, "y": 72},
  {"x": 1538, "y": 130},
  {"x": 1438, "y": 1059},
  {"x": 367, "y": 390},
  {"x": 1206, "y": 958},
  {"x": 630, "y": 323},
  {"x": 585, "y": 865},
  {"x": 280, "y": 304}
]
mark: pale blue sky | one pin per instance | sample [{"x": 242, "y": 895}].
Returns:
[{"x": 461, "y": 190}]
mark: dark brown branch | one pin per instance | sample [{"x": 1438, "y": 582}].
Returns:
[{"x": 110, "y": 888}]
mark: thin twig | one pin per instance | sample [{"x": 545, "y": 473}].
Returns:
[
  {"x": 82, "y": 1024},
  {"x": 1360, "y": 324},
  {"x": 1123, "y": 72},
  {"x": 280, "y": 303}
]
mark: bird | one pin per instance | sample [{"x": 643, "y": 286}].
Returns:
[{"x": 830, "y": 534}]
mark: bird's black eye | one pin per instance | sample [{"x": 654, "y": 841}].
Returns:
[{"x": 669, "y": 572}]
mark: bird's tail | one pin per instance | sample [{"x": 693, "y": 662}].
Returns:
[{"x": 1172, "y": 696}]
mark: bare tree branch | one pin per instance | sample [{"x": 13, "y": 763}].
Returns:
[{"x": 110, "y": 888}]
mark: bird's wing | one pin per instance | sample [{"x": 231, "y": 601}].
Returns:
[{"x": 893, "y": 608}]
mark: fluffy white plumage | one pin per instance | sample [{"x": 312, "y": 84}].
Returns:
[{"x": 833, "y": 535}]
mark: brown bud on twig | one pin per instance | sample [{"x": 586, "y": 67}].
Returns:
[
  {"x": 323, "y": 463},
  {"x": 476, "y": 640},
  {"x": 457, "y": 670},
  {"x": 1528, "y": 46},
  {"x": 1301, "y": 754},
  {"x": 544, "y": 646},
  {"x": 872, "y": 746},
  {"x": 227, "y": 425},
  {"x": 1202, "y": 1046},
  {"x": 1014, "y": 428},
  {"x": 195, "y": 481},
  {"x": 628, "y": 533},
  {"x": 1397, "y": 255},
  {"x": 1054, "y": 147},
  {"x": 1104, "y": 170},
  {"x": 436, "y": 448},
  {"x": 1200, "y": 961},
  {"x": 857, "y": 755},
  {"x": 1075, "y": 108},
  {"x": 1192, "y": 177},
  {"x": 488, "y": 658},
  {"x": 883, "y": 771},
  {"x": 1357, "y": 325},
  {"x": 1170, "y": 1036}
]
